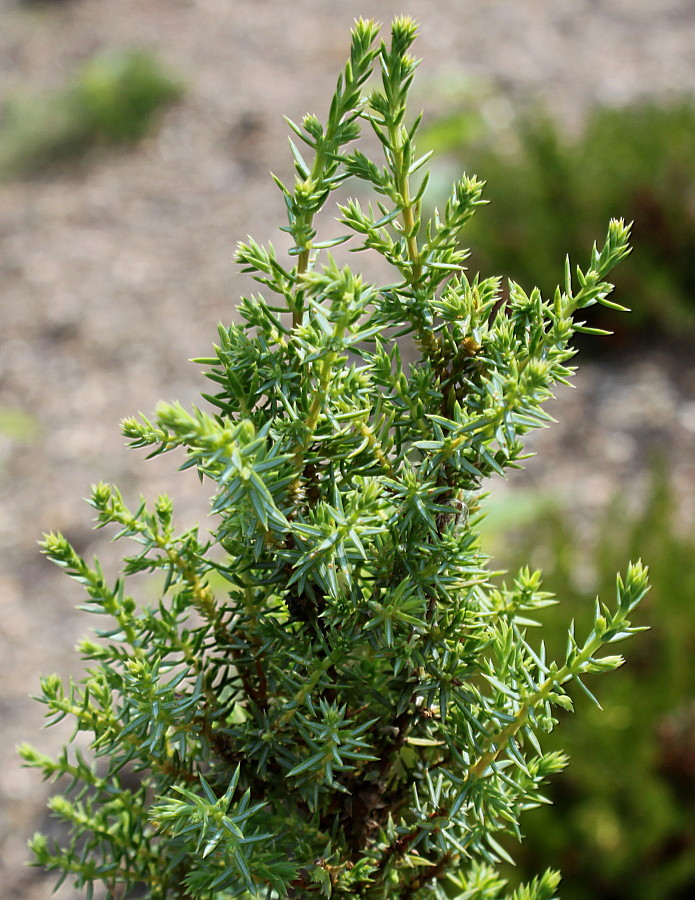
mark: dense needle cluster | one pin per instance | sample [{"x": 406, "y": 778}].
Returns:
[{"x": 329, "y": 695}]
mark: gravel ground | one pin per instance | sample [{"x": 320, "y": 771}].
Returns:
[{"x": 115, "y": 274}]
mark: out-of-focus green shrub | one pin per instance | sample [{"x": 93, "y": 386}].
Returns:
[
  {"x": 623, "y": 823},
  {"x": 113, "y": 98},
  {"x": 119, "y": 93},
  {"x": 18, "y": 426},
  {"x": 637, "y": 162}
]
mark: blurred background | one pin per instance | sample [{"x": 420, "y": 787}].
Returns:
[{"x": 135, "y": 145}]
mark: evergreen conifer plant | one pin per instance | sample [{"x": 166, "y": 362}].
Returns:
[{"x": 331, "y": 696}]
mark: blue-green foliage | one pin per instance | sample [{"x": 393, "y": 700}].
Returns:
[
  {"x": 329, "y": 698},
  {"x": 628, "y": 794}
]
